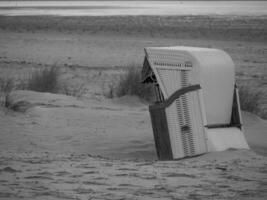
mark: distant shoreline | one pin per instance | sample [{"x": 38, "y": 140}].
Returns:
[
  {"x": 241, "y": 28},
  {"x": 132, "y": 8}
]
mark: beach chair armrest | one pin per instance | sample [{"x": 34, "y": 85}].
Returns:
[{"x": 175, "y": 96}]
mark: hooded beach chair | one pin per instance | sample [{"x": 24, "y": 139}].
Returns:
[{"x": 197, "y": 108}]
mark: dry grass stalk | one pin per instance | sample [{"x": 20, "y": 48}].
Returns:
[{"x": 130, "y": 84}]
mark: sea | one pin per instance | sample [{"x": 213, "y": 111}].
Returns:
[{"x": 108, "y": 8}]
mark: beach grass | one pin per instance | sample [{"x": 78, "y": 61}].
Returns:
[
  {"x": 44, "y": 80},
  {"x": 73, "y": 90},
  {"x": 119, "y": 40},
  {"x": 6, "y": 86},
  {"x": 130, "y": 84},
  {"x": 250, "y": 100}
]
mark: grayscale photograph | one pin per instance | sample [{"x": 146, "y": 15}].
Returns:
[{"x": 133, "y": 100}]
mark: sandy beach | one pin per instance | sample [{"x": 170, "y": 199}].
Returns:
[{"x": 93, "y": 147}]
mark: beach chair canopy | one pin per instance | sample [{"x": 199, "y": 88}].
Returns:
[{"x": 176, "y": 67}]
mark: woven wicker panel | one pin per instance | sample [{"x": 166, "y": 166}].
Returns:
[
  {"x": 170, "y": 80},
  {"x": 174, "y": 131},
  {"x": 197, "y": 123},
  {"x": 184, "y": 115},
  {"x": 186, "y": 126}
]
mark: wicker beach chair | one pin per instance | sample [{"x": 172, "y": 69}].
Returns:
[{"x": 197, "y": 108}]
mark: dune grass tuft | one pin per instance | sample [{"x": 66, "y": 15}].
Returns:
[
  {"x": 250, "y": 100},
  {"x": 6, "y": 85},
  {"x": 130, "y": 84},
  {"x": 72, "y": 90},
  {"x": 44, "y": 80}
]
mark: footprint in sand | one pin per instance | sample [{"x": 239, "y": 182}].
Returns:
[
  {"x": 90, "y": 172},
  {"x": 45, "y": 173},
  {"x": 39, "y": 177},
  {"x": 84, "y": 190},
  {"x": 8, "y": 170},
  {"x": 127, "y": 169},
  {"x": 93, "y": 183},
  {"x": 64, "y": 137},
  {"x": 62, "y": 173},
  {"x": 179, "y": 175}
]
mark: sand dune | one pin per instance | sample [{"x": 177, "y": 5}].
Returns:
[
  {"x": 105, "y": 150},
  {"x": 117, "y": 128}
]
